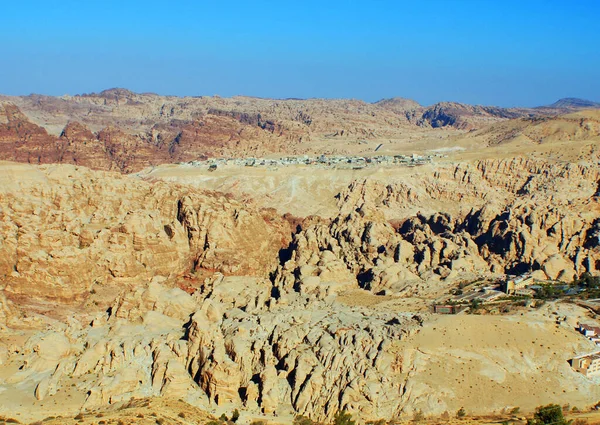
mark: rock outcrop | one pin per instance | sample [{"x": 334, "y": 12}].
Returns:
[
  {"x": 541, "y": 216},
  {"x": 163, "y": 290},
  {"x": 124, "y": 131},
  {"x": 159, "y": 341},
  {"x": 65, "y": 229}
]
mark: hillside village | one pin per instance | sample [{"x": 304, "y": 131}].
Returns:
[{"x": 332, "y": 161}]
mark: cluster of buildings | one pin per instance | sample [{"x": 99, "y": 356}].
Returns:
[
  {"x": 336, "y": 161},
  {"x": 588, "y": 364},
  {"x": 511, "y": 285},
  {"x": 460, "y": 303},
  {"x": 591, "y": 332}
]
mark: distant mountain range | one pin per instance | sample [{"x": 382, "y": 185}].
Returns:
[
  {"x": 574, "y": 103},
  {"x": 118, "y": 129}
]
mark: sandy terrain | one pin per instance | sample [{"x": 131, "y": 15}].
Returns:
[
  {"x": 290, "y": 315},
  {"x": 501, "y": 361}
]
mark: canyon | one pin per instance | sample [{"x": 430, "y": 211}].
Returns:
[{"x": 131, "y": 274}]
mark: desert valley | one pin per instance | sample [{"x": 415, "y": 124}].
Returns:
[{"x": 208, "y": 259}]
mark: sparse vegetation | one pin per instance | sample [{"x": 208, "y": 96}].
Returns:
[
  {"x": 302, "y": 420},
  {"x": 549, "y": 292},
  {"x": 461, "y": 413},
  {"x": 343, "y": 418},
  {"x": 474, "y": 305},
  {"x": 552, "y": 414},
  {"x": 418, "y": 416}
]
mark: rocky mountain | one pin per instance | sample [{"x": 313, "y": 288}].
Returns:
[
  {"x": 120, "y": 130},
  {"x": 399, "y": 104},
  {"x": 304, "y": 291},
  {"x": 578, "y": 126},
  {"x": 116, "y": 287},
  {"x": 466, "y": 117},
  {"x": 574, "y": 103}
]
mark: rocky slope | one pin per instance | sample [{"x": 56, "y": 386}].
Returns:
[
  {"x": 115, "y": 287},
  {"x": 573, "y": 127},
  {"x": 114, "y": 148},
  {"x": 574, "y": 103},
  {"x": 233, "y": 346},
  {"x": 540, "y": 217},
  {"x": 65, "y": 229},
  {"x": 125, "y": 131}
]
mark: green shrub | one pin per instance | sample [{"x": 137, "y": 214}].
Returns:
[
  {"x": 343, "y": 418},
  {"x": 302, "y": 420},
  {"x": 235, "y": 415},
  {"x": 546, "y": 415},
  {"x": 461, "y": 413}
]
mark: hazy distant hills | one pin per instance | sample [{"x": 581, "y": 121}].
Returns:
[
  {"x": 118, "y": 129},
  {"x": 574, "y": 103},
  {"x": 467, "y": 117}
]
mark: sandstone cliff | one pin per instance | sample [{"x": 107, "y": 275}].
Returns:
[
  {"x": 65, "y": 229},
  {"x": 116, "y": 288}
]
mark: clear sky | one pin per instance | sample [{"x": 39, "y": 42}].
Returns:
[{"x": 495, "y": 52}]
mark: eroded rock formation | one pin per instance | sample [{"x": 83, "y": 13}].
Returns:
[
  {"x": 261, "y": 325},
  {"x": 64, "y": 229}
]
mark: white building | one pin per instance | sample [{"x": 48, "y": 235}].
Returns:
[{"x": 588, "y": 364}]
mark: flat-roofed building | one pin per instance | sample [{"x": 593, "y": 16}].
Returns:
[
  {"x": 512, "y": 284},
  {"x": 448, "y": 308},
  {"x": 588, "y": 330},
  {"x": 588, "y": 364}
]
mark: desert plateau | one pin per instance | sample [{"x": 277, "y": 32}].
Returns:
[
  {"x": 283, "y": 258},
  {"x": 300, "y": 213}
]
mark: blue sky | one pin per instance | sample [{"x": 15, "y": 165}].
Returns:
[{"x": 508, "y": 53}]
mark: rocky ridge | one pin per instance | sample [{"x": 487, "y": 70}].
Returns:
[
  {"x": 226, "y": 305},
  {"x": 543, "y": 225},
  {"x": 125, "y": 131},
  {"x": 65, "y": 229}
]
